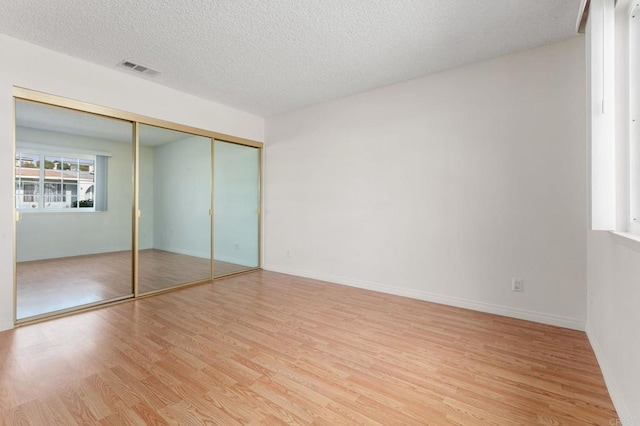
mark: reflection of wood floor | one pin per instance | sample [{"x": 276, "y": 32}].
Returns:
[
  {"x": 267, "y": 348},
  {"x": 161, "y": 269},
  {"x": 54, "y": 284}
]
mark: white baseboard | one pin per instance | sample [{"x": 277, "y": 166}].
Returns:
[
  {"x": 541, "y": 317},
  {"x": 624, "y": 414}
]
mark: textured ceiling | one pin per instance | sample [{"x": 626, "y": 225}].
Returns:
[{"x": 271, "y": 56}]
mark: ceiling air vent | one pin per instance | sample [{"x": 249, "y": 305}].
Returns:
[{"x": 138, "y": 68}]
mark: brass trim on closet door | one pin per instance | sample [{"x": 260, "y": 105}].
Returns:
[
  {"x": 16, "y": 218},
  {"x": 259, "y": 212},
  {"x": 135, "y": 215},
  {"x": 212, "y": 206},
  {"x": 45, "y": 98},
  {"x": 20, "y": 93}
]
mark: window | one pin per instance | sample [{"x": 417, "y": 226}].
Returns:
[
  {"x": 51, "y": 182},
  {"x": 613, "y": 40}
]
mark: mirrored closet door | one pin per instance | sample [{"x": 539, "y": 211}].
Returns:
[
  {"x": 174, "y": 199},
  {"x": 236, "y": 208},
  {"x": 74, "y": 201},
  {"x": 112, "y": 205}
]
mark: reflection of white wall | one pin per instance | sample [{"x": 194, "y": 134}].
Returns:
[
  {"x": 50, "y": 235},
  {"x": 236, "y": 197},
  {"x": 145, "y": 197},
  {"x": 182, "y": 197}
]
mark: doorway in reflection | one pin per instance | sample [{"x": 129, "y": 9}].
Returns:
[{"x": 73, "y": 195}]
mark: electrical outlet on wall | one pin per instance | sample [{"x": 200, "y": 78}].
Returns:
[
  {"x": 237, "y": 246},
  {"x": 517, "y": 284},
  {"x": 289, "y": 253}
]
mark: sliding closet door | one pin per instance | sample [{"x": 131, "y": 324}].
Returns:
[
  {"x": 74, "y": 203},
  {"x": 174, "y": 199},
  {"x": 236, "y": 208}
]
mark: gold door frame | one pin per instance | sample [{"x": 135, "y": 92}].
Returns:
[{"x": 24, "y": 94}]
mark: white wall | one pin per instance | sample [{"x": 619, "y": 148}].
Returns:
[
  {"x": 26, "y": 65},
  {"x": 236, "y": 201},
  {"x": 614, "y": 317},
  {"x": 146, "y": 172},
  {"x": 613, "y": 273},
  {"x": 442, "y": 188}
]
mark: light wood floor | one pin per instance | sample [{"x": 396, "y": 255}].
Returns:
[
  {"x": 266, "y": 348},
  {"x": 51, "y": 285}
]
